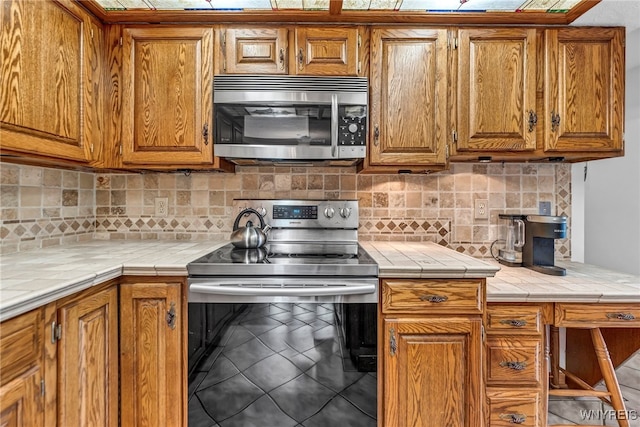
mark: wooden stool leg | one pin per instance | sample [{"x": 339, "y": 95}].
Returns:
[
  {"x": 558, "y": 379},
  {"x": 609, "y": 375}
]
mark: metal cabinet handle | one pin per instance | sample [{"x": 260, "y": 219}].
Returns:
[
  {"x": 514, "y": 418},
  {"x": 533, "y": 120},
  {"x": 516, "y": 323},
  {"x": 300, "y": 60},
  {"x": 205, "y": 133},
  {"x": 376, "y": 136},
  {"x": 434, "y": 298},
  {"x": 171, "y": 316},
  {"x": 393, "y": 345},
  {"x": 516, "y": 366},
  {"x": 282, "y": 59},
  {"x": 621, "y": 316},
  {"x": 555, "y": 121}
]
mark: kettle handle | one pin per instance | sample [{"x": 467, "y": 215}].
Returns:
[{"x": 248, "y": 211}]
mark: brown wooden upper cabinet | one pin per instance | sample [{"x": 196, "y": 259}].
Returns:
[
  {"x": 408, "y": 100},
  {"x": 167, "y": 96},
  {"x": 535, "y": 94},
  {"x": 584, "y": 89},
  {"x": 295, "y": 50},
  {"x": 496, "y": 90},
  {"x": 51, "y": 80}
]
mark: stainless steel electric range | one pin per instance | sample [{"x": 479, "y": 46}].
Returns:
[
  {"x": 311, "y": 255},
  {"x": 302, "y": 309}
]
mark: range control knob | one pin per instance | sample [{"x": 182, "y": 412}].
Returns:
[
  {"x": 353, "y": 128},
  {"x": 345, "y": 212},
  {"x": 329, "y": 212},
  {"x": 261, "y": 210}
]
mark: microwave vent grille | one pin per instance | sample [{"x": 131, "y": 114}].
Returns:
[{"x": 253, "y": 83}]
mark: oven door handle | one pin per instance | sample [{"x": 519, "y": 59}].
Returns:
[{"x": 284, "y": 291}]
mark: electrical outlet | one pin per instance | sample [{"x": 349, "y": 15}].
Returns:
[
  {"x": 162, "y": 206},
  {"x": 481, "y": 209},
  {"x": 544, "y": 208}
]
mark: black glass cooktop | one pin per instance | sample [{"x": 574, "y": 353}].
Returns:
[{"x": 229, "y": 260}]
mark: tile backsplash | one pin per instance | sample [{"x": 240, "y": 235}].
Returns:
[{"x": 43, "y": 206}]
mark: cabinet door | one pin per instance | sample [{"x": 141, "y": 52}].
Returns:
[
  {"x": 167, "y": 96},
  {"x": 88, "y": 361},
  {"x": 408, "y": 97},
  {"x": 21, "y": 364},
  {"x": 496, "y": 89},
  {"x": 584, "y": 89},
  {"x": 47, "y": 52},
  {"x": 326, "y": 51},
  {"x": 151, "y": 355},
  {"x": 255, "y": 50},
  {"x": 432, "y": 374}
]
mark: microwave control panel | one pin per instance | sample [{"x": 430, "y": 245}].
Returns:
[{"x": 352, "y": 125}]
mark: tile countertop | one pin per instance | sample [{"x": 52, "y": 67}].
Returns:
[
  {"x": 584, "y": 283},
  {"x": 31, "y": 279}
]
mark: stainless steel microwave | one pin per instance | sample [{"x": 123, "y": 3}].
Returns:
[{"x": 290, "y": 118}]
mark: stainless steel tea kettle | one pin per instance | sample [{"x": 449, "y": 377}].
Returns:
[{"x": 249, "y": 237}]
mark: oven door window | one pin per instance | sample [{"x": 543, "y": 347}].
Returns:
[{"x": 273, "y": 124}]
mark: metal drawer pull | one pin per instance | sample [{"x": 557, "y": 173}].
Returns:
[
  {"x": 621, "y": 316},
  {"x": 516, "y": 323},
  {"x": 516, "y": 366},
  {"x": 514, "y": 418},
  {"x": 434, "y": 298}
]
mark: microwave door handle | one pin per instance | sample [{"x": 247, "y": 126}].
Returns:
[{"x": 334, "y": 125}]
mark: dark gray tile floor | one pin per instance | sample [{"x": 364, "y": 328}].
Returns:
[
  {"x": 282, "y": 365},
  {"x": 590, "y": 411}
]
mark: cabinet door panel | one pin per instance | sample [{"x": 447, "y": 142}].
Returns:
[
  {"x": 327, "y": 51},
  {"x": 584, "y": 89},
  {"x": 21, "y": 401},
  {"x": 419, "y": 391},
  {"x": 151, "y": 354},
  {"x": 44, "y": 61},
  {"x": 496, "y": 89},
  {"x": 408, "y": 97},
  {"x": 167, "y": 96},
  {"x": 255, "y": 50},
  {"x": 22, "y": 370},
  {"x": 88, "y": 361}
]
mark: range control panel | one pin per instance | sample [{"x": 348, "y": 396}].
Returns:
[
  {"x": 304, "y": 213},
  {"x": 295, "y": 212}
]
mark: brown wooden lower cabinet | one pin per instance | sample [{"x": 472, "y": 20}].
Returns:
[
  {"x": 515, "y": 366},
  {"x": 152, "y": 354},
  {"x": 430, "y": 360},
  {"x": 88, "y": 359},
  {"x": 59, "y": 364},
  {"x": 22, "y": 370}
]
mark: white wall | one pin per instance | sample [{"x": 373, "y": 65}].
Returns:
[{"x": 606, "y": 207}]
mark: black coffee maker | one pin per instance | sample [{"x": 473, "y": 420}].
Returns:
[{"x": 540, "y": 231}]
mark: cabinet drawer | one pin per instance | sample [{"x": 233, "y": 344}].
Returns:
[
  {"x": 514, "y": 320},
  {"x": 513, "y": 361},
  {"x": 433, "y": 296},
  {"x": 597, "y": 315},
  {"x": 513, "y": 407},
  {"x": 21, "y": 344}
]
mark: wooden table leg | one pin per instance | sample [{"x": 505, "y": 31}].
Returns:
[
  {"x": 557, "y": 377},
  {"x": 609, "y": 375}
]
